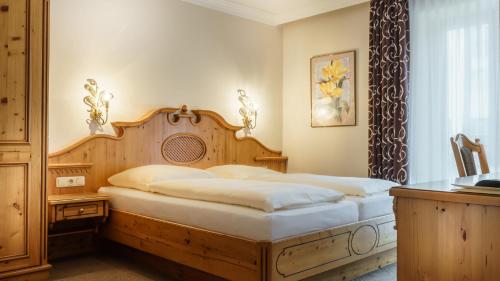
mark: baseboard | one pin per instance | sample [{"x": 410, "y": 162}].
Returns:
[{"x": 36, "y": 273}]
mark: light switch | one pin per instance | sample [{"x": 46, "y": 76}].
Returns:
[{"x": 70, "y": 181}]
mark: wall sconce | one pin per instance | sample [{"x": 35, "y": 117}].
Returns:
[
  {"x": 98, "y": 101},
  {"x": 248, "y": 112}
]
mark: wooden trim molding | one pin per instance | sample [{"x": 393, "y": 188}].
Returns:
[
  {"x": 448, "y": 196},
  {"x": 120, "y": 127},
  {"x": 30, "y": 273},
  {"x": 82, "y": 142},
  {"x": 69, "y": 168},
  {"x": 271, "y": 158},
  {"x": 70, "y": 165},
  {"x": 278, "y": 163}
]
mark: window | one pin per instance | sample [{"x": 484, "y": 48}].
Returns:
[{"x": 454, "y": 86}]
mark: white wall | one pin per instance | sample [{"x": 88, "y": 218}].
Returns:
[
  {"x": 157, "y": 53},
  {"x": 336, "y": 150}
]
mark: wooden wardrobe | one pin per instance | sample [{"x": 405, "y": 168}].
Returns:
[{"x": 23, "y": 139}]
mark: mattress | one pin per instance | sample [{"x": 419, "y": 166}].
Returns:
[
  {"x": 372, "y": 206},
  {"x": 231, "y": 219}
]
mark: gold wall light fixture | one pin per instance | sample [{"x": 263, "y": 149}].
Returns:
[
  {"x": 248, "y": 112},
  {"x": 98, "y": 101}
]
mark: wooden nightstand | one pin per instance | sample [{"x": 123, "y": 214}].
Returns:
[
  {"x": 74, "y": 221},
  {"x": 78, "y": 206}
]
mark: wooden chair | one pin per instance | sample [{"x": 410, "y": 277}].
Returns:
[{"x": 463, "y": 150}]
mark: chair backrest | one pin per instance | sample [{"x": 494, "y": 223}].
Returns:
[{"x": 463, "y": 150}]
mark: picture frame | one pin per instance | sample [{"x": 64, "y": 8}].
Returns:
[{"x": 333, "y": 89}]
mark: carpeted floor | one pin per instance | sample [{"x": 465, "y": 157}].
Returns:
[{"x": 106, "y": 268}]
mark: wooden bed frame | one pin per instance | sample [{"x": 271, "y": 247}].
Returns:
[{"x": 202, "y": 139}]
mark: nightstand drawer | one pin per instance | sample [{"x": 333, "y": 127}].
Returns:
[{"x": 80, "y": 210}]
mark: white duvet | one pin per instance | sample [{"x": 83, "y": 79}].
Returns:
[
  {"x": 346, "y": 185},
  {"x": 266, "y": 196}
]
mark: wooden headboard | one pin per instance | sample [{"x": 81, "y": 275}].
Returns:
[{"x": 197, "y": 138}]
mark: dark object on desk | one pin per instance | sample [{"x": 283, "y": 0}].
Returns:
[{"x": 489, "y": 183}]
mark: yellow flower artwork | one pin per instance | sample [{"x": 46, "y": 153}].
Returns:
[{"x": 333, "y": 91}]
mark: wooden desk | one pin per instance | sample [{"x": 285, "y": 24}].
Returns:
[{"x": 446, "y": 235}]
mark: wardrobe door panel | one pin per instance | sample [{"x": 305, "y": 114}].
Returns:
[
  {"x": 22, "y": 134},
  {"x": 13, "y": 203},
  {"x": 13, "y": 71}
]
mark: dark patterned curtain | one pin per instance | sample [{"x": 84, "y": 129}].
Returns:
[{"x": 388, "y": 89}]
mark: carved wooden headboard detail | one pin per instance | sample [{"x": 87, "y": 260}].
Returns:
[{"x": 173, "y": 136}]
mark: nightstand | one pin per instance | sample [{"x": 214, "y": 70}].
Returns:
[
  {"x": 78, "y": 206},
  {"x": 74, "y": 221}
]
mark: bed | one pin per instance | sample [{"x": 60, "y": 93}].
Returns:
[{"x": 335, "y": 241}]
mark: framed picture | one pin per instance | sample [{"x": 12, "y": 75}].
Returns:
[{"x": 333, "y": 90}]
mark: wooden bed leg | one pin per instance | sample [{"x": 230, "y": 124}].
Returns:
[{"x": 265, "y": 261}]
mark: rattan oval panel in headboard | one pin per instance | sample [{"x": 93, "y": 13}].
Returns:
[
  {"x": 198, "y": 139},
  {"x": 183, "y": 148}
]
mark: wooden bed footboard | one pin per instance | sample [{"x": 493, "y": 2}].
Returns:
[
  {"x": 308, "y": 255},
  {"x": 235, "y": 258}
]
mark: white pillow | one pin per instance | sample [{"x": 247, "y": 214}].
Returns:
[
  {"x": 140, "y": 177},
  {"x": 240, "y": 171}
]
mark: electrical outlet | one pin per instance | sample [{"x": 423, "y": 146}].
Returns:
[{"x": 70, "y": 181}]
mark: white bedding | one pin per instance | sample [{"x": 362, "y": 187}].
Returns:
[
  {"x": 230, "y": 219},
  {"x": 372, "y": 206},
  {"x": 265, "y": 196},
  {"x": 346, "y": 185}
]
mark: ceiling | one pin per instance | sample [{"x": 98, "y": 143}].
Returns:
[{"x": 275, "y": 12}]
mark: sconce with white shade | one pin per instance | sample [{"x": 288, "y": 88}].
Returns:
[
  {"x": 98, "y": 101},
  {"x": 248, "y": 112}
]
